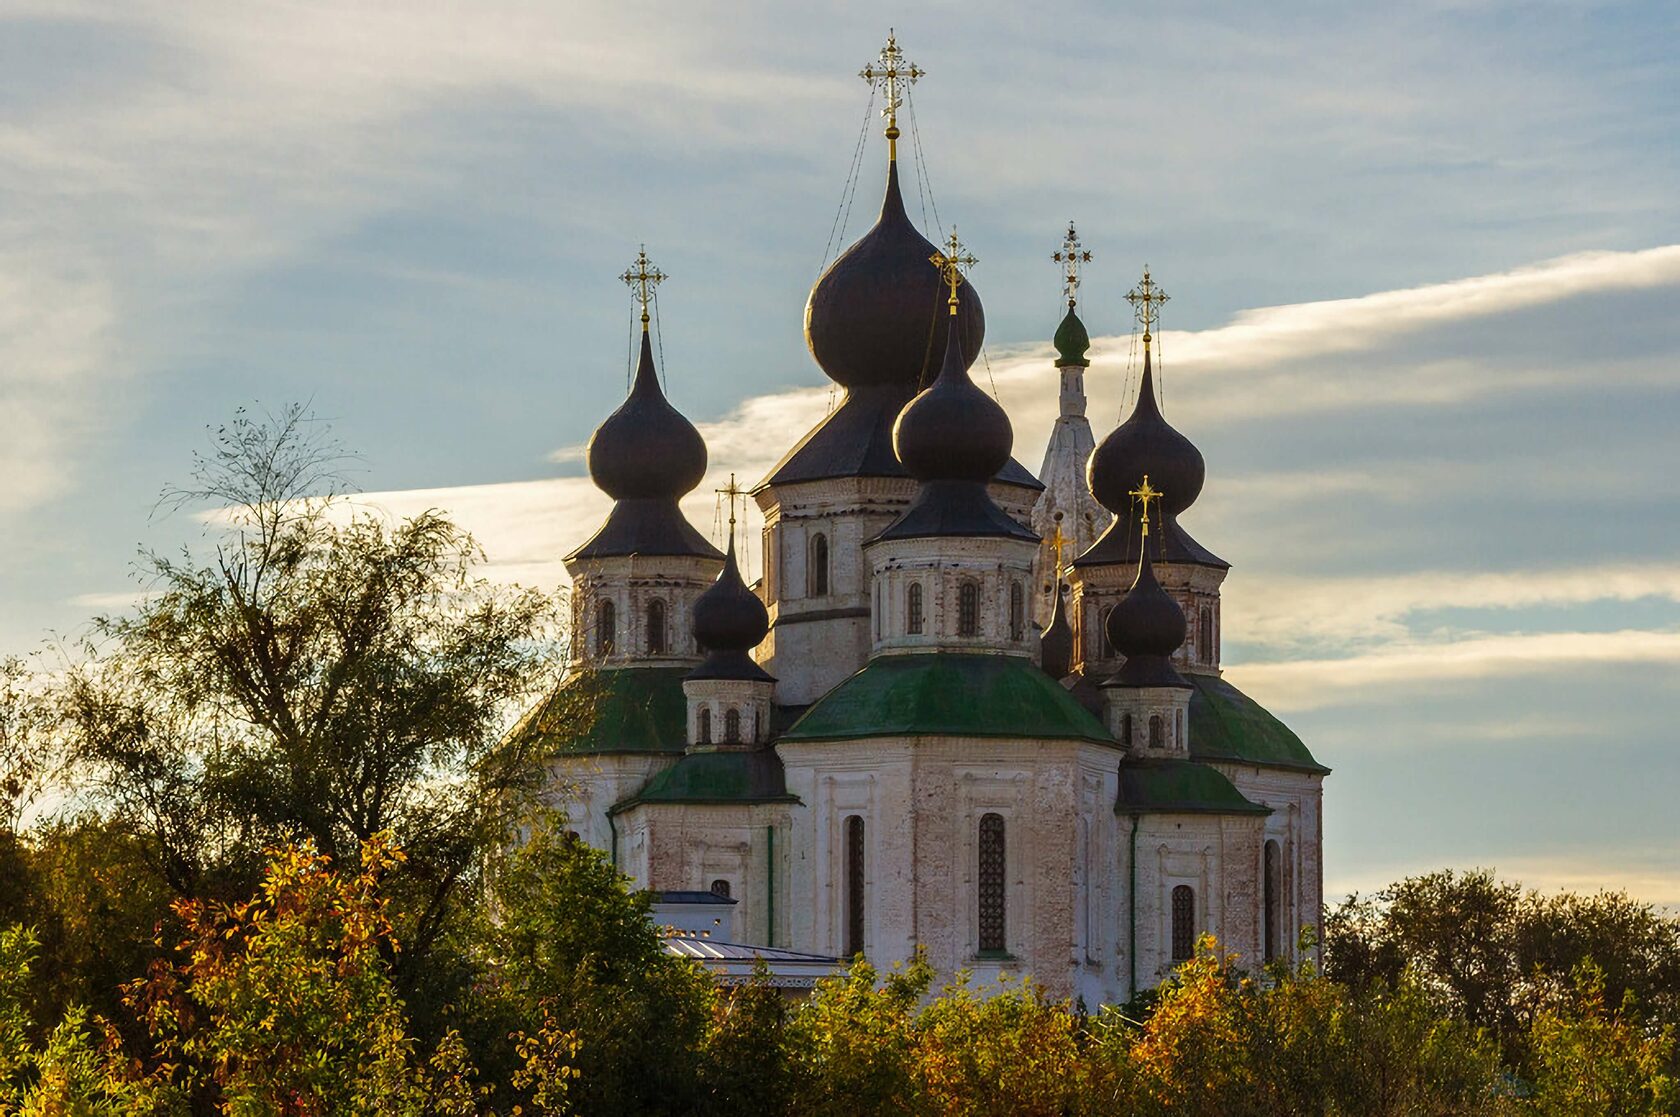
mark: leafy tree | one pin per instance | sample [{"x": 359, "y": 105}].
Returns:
[
  {"x": 1594, "y": 1062},
  {"x": 318, "y": 675},
  {"x": 743, "y": 1061},
  {"x": 1002, "y": 1050},
  {"x": 853, "y": 1045}
]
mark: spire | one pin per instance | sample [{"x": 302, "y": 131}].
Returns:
[{"x": 890, "y": 73}]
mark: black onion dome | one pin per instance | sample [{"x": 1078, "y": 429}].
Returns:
[
  {"x": 1055, "y": 647},
  {"x": 1146, "y": 444},
  {"x": 729, "y": 621},
  {"x": 1147, "y": 627},
  {"x": 646, "y": 449},
  {"x": 877, "y": 317},
  {"x": 952, "y": 431}
]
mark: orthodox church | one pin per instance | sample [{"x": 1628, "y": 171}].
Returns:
[{"x": 964, "y": 708}]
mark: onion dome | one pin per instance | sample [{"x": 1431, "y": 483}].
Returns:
[
  {"x": 729, "y": 621},
  {"x": 953, "y": 438},
  {"x": 646, "y": 456},
  {"x": 1055, "y": 647},
  {"x": 1147, "y": 627},
  {"x": 877, "y": 317},
  {"x": 1071, "y": 341}
]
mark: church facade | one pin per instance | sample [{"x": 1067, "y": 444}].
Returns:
[{"x": 964, "y": 709}]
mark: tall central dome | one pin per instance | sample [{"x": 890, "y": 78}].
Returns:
[{"x": 877, "y": 317}]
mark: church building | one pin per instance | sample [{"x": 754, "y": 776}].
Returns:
[{"x": 964, "y": 708}]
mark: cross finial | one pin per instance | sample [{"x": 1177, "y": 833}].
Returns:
[
  {"x": 1146, "y": 300},
  {"x": 887, "y": 73},
  {"x": 1071, "y": 256},
  {"x": 731, "y": 491},
  {"x": 952, "y": 261},
  {"x": 1143, "y": 494},
  {"x": 1057, "y": 542},
  {"x": 642, "y": 277}
]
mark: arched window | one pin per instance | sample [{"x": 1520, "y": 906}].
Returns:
[
  {"x": 1183, "y": 923},
  {"x": 656, "y": 628},
  {"x": 572, "y": 837},
  {"x": 606, "y": 628},
  {"x": 819, "y": 565},
  {"x": 1017, "y": 612},
  {"x": 732, "y": 725},
  {"x": 705, "y": 731},
  {"x": 994, "y": 864},
  {"x": 1103, "y": 642},
  {"x": 968, "y": 610},
  {"x": 1274, "y": 900},
  {"x": 1204, "y": 645},
  {"x": 720, "y": 888},
  {"x": 913, "y": 609},
  {"x": 1157, "y": 732},
  {"x": 1126, "y": 730},
  {"x": 854, "y": 886}
]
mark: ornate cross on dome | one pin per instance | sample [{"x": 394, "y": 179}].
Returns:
[
  {"x": 1057, "y": 541},
  {"x": 731, "y": 491},
  {"x": 885, "y": 73},
  {"x": 952, "y": 262},
  {"x": 1071, "y": 257},
  {"x": 642, "y": 277},
  {"x": 1146, "y": 300},
  {"x": 1145, "y": 493}
]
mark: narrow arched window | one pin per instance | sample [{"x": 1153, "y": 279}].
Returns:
[
  {"x": 705, "y": 728},
  {"x": 1274, "y": 900},
  {"x": 1126, "y": 730},
  {"x": 1017, "y": 612},
  {"x": 1157, "y": 732},
  {"x": 732, "y": 725},
  {"x": 913, "y": 609},
  {"x": 968, "y": 610},
  {"x": 854, "y": 886},
  {"x": 1183, "y": 923},
  {"x": 720, "y": 888},
  {"x": 819, "y": 565},
  {"x": 994, "y": 865},
  {"x": 606, "y": 628},
  {"x": 656, "y": 628},
  {"x": 1204, "y": 645},
  {"x": 1103, "y": 642}
]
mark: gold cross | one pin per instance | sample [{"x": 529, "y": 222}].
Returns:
[
  {"x": 1146, "y": 493},
  {"x": 1146, "y": 300},
  {"x": 732, "y": 490},
  {"x": 1057, "y": 542},
  {"x": 1070, "y": 257},
  {"x": 886, "y": 72},
  {"x": 952, "y": 262},
  {"x": 642, "y": 277}
]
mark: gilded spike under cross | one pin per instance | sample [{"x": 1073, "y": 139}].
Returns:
[
  {"x": 1071, "y": 257},
  {"x": 1143, "y": 494},
  {"x": 952, "y": 261},
  {"x": 732, "y": 492},
  {"x": 1057, "y": 541},
  {"x": 889, "y": 73},
  {"x": 1146, "y": 300},
  {"x": 642, "y": 277}
]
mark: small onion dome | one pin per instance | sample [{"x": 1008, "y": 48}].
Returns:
[
  {"x": 646, "y": 449},
  {"x": 729, "y": 621},
  {"x": 1071, "y": 341},
  {"x": 877, "y": 317},
  {"x": 1146, "y": 444},
  {"x": 1055, "y": 647},
  {"x": 1147, "y": 627}
]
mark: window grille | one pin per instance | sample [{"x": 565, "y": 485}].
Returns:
[
  {"x": 656, "y": 628},
  {"x": 913, "y": 609},
  {"x": 732, "y": 725},
  {"x": 1183, "y": 923},
  {"x": 993, "y": 865},
  {"x": 854, "y": 886},
  {"x": 819, "y": 565},
  {"x": 968, "y": 610},
  {"x": 606, "y": 628}
]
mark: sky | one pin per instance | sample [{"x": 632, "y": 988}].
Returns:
[{"x": 1424, "y": 262}]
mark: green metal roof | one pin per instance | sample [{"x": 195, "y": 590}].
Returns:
[
  {"x": 622, "y": 709},
  {"x": 948, "y": 695},
  {"x": 1179, "y": 787},
  {"x": 1228, "y": 725},
  {"x": 732, "y": 776}
]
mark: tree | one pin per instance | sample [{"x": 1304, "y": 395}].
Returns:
[
  {"x": 319, "y": 675},
  {"x": 852, "y": 1046},
  {"x": 1591, "y": 1061}
]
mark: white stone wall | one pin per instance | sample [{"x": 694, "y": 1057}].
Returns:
[
  {"x": 939, "y": 568},
  {"x": 632, "y": 583},
  {"x": 1097, "y": 589},
  {"x": 1297, "y": 825},
  {"x": 749, "y": 698},
  {"x": 585, "y": 787},
  {"x": 1170, "y": 704}
]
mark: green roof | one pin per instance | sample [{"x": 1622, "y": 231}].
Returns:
[
  {"x": 621, "y": 709},
  {"x": 1228, "y": 725},
  {"x": 1179, "y": 787},
  {"x": 732, "y": 776},
  {"x": 946, "y": 694}
]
